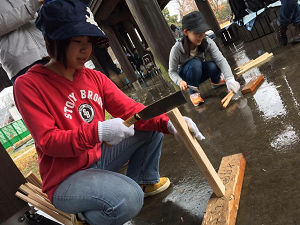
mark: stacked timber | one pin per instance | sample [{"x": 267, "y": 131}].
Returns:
[{"x": 31, "y": 193}]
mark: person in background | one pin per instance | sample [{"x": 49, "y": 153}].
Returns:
[
  {"x": 21, "y": 43},
  {"x": 289, "y": 13},
  {"x": 176, "y": 32},
  {"x": 187, "y": 61},
  {"x": 80, "y": 153}
]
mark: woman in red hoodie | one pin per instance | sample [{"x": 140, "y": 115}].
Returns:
[{"x": 63, "y": 105}]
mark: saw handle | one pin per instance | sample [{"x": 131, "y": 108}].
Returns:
[{"x": 131, "y": 120}]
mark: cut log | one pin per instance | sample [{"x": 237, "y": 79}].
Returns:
[{"x": 223, "y": 211}]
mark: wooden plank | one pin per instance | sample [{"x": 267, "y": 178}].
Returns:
[
  {"x": 32, "y": 178},
  {"x": 37, "y": 190},
  {"x": 40, "y": 199},
  {"x": 253, "y": 84},
  {"x": 257, "y": 62},
  {"x": 223, "y": 211},
  {"x": 197, "y": 152},
  {"x": 225, "y": 98},
  {"x": 44, "y": 209},
  {"x": 240, "y": 67},
  {"x": 227, "y": 101},
  {"x": 36, "y": 180}
]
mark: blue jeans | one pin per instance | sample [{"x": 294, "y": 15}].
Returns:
[
  {"x": 195, "y": 72},
  {"x": 289, "y": 12},
  {"x": 102, "y": 195}
]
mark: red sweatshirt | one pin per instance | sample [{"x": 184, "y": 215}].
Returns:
[{"x": 62, "y": 117}]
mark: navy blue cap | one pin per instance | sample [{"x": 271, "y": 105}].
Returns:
[{"x": 62, "y": 19}]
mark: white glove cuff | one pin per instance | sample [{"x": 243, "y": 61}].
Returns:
[
  {"x": 229, "y": 78},
  {"x": 102, "y": 131},
  {"x": 171, "y": 128}
]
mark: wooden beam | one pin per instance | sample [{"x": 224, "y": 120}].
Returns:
[
  {"x": 116, "y": 18},
  {"x": 223, "y": 211},
  {"x": 130, "y": 29},
  {"x": 119, "y": 53},
  {"x": 106, "y": 9},
  {"x": 197, "y": 152},
  {"x": 154, "y": 28},
  {"x": 253, "y": 84},
  {"x": 95, "y": 6},
  {"x": 163, "y": 3},
  {"x": 205, "y": 8}
]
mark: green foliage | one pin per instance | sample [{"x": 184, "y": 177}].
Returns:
[
  {"x": 224, "y": 13},
  {"x": 170, "y": 19}
]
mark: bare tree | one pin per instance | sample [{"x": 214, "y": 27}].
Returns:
[
  {"x": 215, "y": 4},
  {"x": 186, "y": 6}
]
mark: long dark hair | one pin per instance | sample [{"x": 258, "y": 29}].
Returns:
[{"x": 186, "y": 45}]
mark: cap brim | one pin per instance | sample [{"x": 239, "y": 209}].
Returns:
[
  {"x": 77, "y": 29},
  {"x": 201, "y": 29}
]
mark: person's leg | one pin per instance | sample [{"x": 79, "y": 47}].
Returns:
[
  {"x": 211, "y": 69},
  {"x": 143, "y": 152},
  {"x": 103, "y": 197},
  {"x": 296, "y": 22},
  {"x": 192, "y": 73},
  {"x": 289, "y": 12}
]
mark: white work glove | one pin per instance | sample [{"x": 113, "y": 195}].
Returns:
[
  {"x": 232, "y": 85},
  {"x": 114, "y": 131},
  {"x": 192, "y": 127}
]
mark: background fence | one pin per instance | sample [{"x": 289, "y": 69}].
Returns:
[{"x": 12, "y": 133}]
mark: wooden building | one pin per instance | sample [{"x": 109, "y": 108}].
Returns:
[{"x": 138, "y": 23}]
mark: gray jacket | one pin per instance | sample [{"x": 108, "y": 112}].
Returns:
[
  {"x": 21, "y": 43},
  {"x": 178, "y": 57}
]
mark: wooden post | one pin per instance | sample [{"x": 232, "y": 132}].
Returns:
[
  {"x": 119, "y": 53},
  {"x": 11, "y": 179},
  {"x": 154, "y": 27},
  {"x": 124, "y": 40},
  {"x": 205, "y": 8},
  {"x": 197, "y": 152},
  {"x": 135, "y": 39}
]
